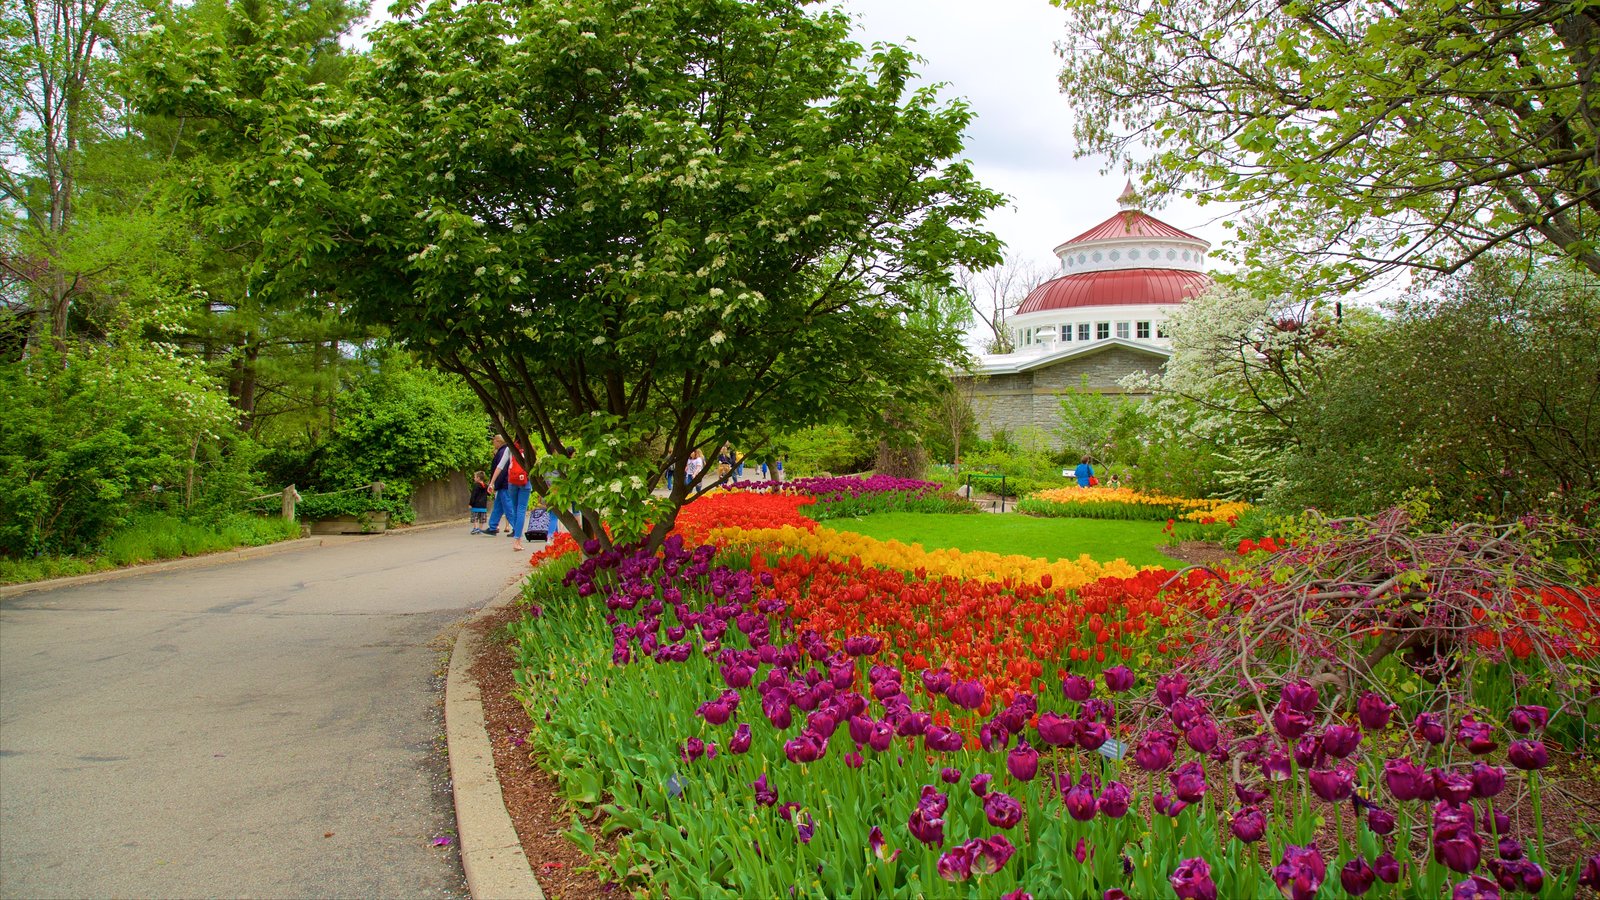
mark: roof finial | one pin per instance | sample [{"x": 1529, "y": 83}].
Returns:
[{"x": 1129, "y": 198}]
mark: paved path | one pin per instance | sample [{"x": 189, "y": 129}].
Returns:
[{"x": 268, "y": 728}]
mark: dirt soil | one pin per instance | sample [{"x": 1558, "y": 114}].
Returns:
[
  {"x": 538, "y": 810},
  {"x": 1199, "y": 553}
]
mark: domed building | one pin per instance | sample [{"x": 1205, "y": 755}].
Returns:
[{"x": 1102, "y": 318}]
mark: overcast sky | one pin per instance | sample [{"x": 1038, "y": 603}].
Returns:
[{"x": 1000, "y": 57}]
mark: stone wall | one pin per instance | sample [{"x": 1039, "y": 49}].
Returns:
[
  {"x": 1031, "y": 399},
  {"x": 442, "y": 499}
]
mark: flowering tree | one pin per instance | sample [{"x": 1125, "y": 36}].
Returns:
[
  {"x": 635, "y": 230},
  {"x": 1372, "y": 136},
  {"x": 1242, "y": 365}
]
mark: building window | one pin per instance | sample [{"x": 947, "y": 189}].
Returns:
[
  {"x": 1122, "y": 330},
  {"x": 1142, "y": 331},
  {"x": 1161, "y": 330},
  {"x": 1102, "y": 330},
  {"x": 1133, "y": 254},
  {"x": 1083, "y": 331},
  {"x": 1066, "y": 332}
]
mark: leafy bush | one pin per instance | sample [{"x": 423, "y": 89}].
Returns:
[
  {"x": 94, "y": 436},
  {"x": 1026, "y": 471},
  {"x": 356, "y": 503},
  {"x": 403, "y": 425},
  {"x": 835, "y": 449}
]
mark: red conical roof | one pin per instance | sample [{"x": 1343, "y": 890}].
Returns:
[
  {"x": 1133, "y": 223},
  {"x": 1116, "y": 287}
]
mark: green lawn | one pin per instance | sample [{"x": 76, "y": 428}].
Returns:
[{"x": 1103, "y": 539}]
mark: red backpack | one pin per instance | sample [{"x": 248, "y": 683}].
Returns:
[{"x": 515, "y": 473}]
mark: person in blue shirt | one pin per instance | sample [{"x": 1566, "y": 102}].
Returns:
[{"x": 1084, "y": 472}]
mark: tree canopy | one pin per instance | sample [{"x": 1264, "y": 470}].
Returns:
[
  {"x": 634, "y": 230},
  {"x": 1360, "y": 137}
]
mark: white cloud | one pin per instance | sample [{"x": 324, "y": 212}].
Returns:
[{"x": 1000, "y": 57}]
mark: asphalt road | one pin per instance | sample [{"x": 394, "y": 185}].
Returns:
[{"x": 265, "y": 728}]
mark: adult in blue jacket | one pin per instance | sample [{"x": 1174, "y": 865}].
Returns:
[{"x": 1083, "y": 472}]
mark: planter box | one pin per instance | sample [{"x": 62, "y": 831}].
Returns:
[{"x": 366, "y": 523}]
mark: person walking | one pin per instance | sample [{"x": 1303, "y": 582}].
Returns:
[
  {"x": 478, "y": 503},
  {"x": 517, "y": 491},
  {"x": 497, "y": 482},
  {"x": 692, "y": 468}
]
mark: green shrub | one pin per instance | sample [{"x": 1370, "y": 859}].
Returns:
[
  {"x": 403, "y": 425},
  {"x": 94, "y": 436},
  {"x": 835, "y": 449}
]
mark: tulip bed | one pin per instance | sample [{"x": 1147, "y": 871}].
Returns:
[
  {"x": 773, "y": 712},
  {"x": 1128, "y": 503},
  {"x": 847, "y": 496}
]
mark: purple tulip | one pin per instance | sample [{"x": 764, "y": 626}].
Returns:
[
  {"x": 805, "y": 747},
  {"x": 1300, "y": 875},
  {"x": 1110, "y": 894},
  {"x": 1096, "y": 709},
  {"x": 966, "y": 694},
  {"x": 1249, "y": 824},
  {"x": 1115, "y": 799},
  {"x": 1023, "y": 762},
  {"x": 1476, "y": 888},
  {"x": 1080, "y": 800},
  {"x": 864, "y": 645},
  {"x": 980, "y": 784},
  {"x": 955, "y": 864},
  {"x": 1076, "y": 687},
  {"x": 1276, "y": 766},
  {"x": 1018, "y": 894},
  {"x": 1249, "y": 795},
  {"x": 1341, "y": 740},
  {"x": 1528, "y": 756},
  {"x": 740, "y": 742},
  {"x": 1429, "y": 727},
  {"x": 1380, "y": 821},
  {"x": 1502, "y": 822},
  {"x": 1357, "y": 876},
  {"x": 1002, "y": 810},
  {"x": 1189, "y": 782},
  {"x": 1092, "y": 735},
  {"x": 765, "y": 796},
  {"x": 879, "y": 848},
  {"x": 1171, "y": 688},
  {"x": 1452, "y": 786},
  {"x": 1374, "y": 711},
  {"x": 1300, "y": 695},
  {"x": 1154, "y": 752},
  {"x": 1487, "y": 780},
  {"x": 1524, "y": 719},
  {"x": 1056, "y": 731},
  {"x": 1289, "y": 722},
  {"x": 1202, "y": 735},
  {"x": 1192, "y": 880},
  {"x": 941, "y": 739},
  {"x": 1589, "y": 875},
  {"x": 1118, "y": 679},
  {"x": 936, "y": 683},
  {"x": 926, "y": 826},
  {"x": 1407, "y": 780},
  {"x": 1476, "y": 737},
  {"x": 949, "y": 775},
  {"x": 1387, "y": 868},
  {"x": 1308, "y": 752},
  {"x": 882, "y": 736},
  {"x": 914, "y": 724},
  {"x": 991, "y": 854},
  {"x": 1510, "y": 848},
  {"x": 993, "y": 736},
  {"x": 854, "y": 760},
  {"x": 1457, "y": 846},
  {"x": 1168, "y": 806},
  {"x": 1333, "y": 785}
]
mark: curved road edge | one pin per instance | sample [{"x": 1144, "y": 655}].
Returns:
[{"x": 491, "y": 853}]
